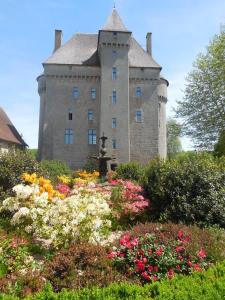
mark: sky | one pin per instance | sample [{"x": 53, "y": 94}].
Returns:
[{"x": 181, "y": 29}]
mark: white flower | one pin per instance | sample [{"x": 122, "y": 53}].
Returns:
[{"x": 23, "y": 191}]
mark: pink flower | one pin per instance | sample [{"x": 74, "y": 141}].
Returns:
[
  {"x": 197, "y": 267},
  {"x": 155, "y": 278},
  {"x": 112, "y": 254},
  {"x": 156, "y": 269},
  {"x": 134, "y": 242},
  {"x": 201, "y": 254},
  {"x": 63, "y": 189}
]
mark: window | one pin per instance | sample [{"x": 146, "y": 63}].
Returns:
[
  {"x": 114, "y": 53},
  {"x": 114, "y": 73},
  {"x": 138, "y": 116},
  {"x": 90, "y": 115},
  {"x": 113, "y": 122},
  {"x": 93, "y": 93},
  {"x": 75, "y": 92},
  {"x": 138, "y": 92},
  {"x": 70, "y": 115},
  {"x": 68, "y": 136},
  {"x": 92, "y": 136},
  {"x": 114, "y": 143},
  {"x": 114, "y": 98},
  {"x": 114, "y": 34},
  {"x": 70, "y": 68}
]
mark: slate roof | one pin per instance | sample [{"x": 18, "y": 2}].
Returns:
[
  {"x": 114, "y": 23},
  {"x": 8, "y": 132},
  {"x": 81, "y": 49}
]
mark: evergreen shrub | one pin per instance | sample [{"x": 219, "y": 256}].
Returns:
[{"x": 189, "y": 190}]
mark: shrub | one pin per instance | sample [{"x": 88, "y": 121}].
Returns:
[
  {"x": 210, "y": 239},
  {"x": 54, "y": 168},
  {"x": 150, "y": 259},
  {"x": 189, "y": 190},
  {"x": 12, "y": 165},
  {"x": 82, "y": 265},
  {"x": 131, "y": 171}
]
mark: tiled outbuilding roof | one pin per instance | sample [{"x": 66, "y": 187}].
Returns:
[
  {"x": 8, "y": 132},
  {"x": 81, "y": 49}
]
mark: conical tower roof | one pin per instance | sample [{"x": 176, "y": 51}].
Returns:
[{"x": 114, "y": 23}]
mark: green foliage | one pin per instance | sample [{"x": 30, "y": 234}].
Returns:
[
  {"x": 55, "y": 168},
  {"x": 12, "y": 165},
  {"x": 91, "y": 165},
  {"x": 33, "y": 152},
  {"x": 131, "y": 171},
  {"x": 173, "y": 141},
  {"x": 202, "y": 108},
  {"x": 219, "y": 148},
  {"x": 189, "y": 189}
]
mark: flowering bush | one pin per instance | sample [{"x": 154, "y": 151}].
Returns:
[
  {"x": 14, "y": 255},
  {"x": 39, "y": 210},
  {"x": 151, "y": 260},
  {"x": 84, "y": 176},
  {"x": 127, "y": 198}
]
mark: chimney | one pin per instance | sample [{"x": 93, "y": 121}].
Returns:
[
  {"x": 58, "y": 39},
  {"x": 149, "y": 43}
]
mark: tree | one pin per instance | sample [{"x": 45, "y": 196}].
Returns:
[
  {"x": 203, "y": 106},
  {"x": 173, "y": 140},
  {"x": 219, "y": 149}
]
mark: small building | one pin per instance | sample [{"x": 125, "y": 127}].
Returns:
[
  {"x": 104, "y": 82},
  {"x": 9, "y": 136}
]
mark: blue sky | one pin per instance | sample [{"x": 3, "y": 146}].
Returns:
[{"x": 181, "y": 29}]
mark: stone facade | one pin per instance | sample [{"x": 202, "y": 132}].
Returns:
[{"x": 102, "y": 83}]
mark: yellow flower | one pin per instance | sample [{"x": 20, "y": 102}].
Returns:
[
  {"x": 29, "y": 178},
  {"x": 64, "y": 179}
]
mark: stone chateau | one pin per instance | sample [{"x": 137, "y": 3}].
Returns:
[{"x": 97, "y": 83}]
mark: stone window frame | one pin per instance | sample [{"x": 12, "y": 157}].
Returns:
[
  {"x": 75, "y": 92},
  {"x": 93, "y": 93},
  {"x": 139, "y": 116},
  {"x": 114, "y": 144},
  {"x": 92, "y": 136},
  {"x": 138, "y": 92},
  {"x": 90, "y": 115},
  {"x": 114, "y": 73},
  {"x": 114, "y": 123},
  {"x": 68, "y": 136},
  {"x": 114, "y": 97}
]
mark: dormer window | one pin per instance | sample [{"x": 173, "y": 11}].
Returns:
[
  {"x": 138, "y": 92},
  {"x": 75, "y": 92}
]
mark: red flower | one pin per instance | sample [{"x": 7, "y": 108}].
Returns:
[
  {"x": 178, "y": 267},
  {"x": 180, "y": 249},
  {"x": 140, "y": 266},
  {"x": 197, "y": 268},
  {"x": 190, "y": 264},
  {"x": 170, "y": 273},
  {"x": 145, "y": 276},
  {"x": 134, "y": 242},
  {"x": 125, "y": 241},
  {"x": 159, "y": 252},
  {"x": 145, "y": 260},
  {"x": 155, "y": 278},
  {"x": 150, "y": 269},
  {"x": 180, "y": 234},
  {"x": 201, "y": 254},
  {"x": 156, "y": 268},
  {"x": 121, "y": 254}
]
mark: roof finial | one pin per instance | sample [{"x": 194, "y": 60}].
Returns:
[{"x": 114, "y": 5}]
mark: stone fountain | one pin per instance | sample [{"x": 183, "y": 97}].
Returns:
[{"x": 102, "y": 158}]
